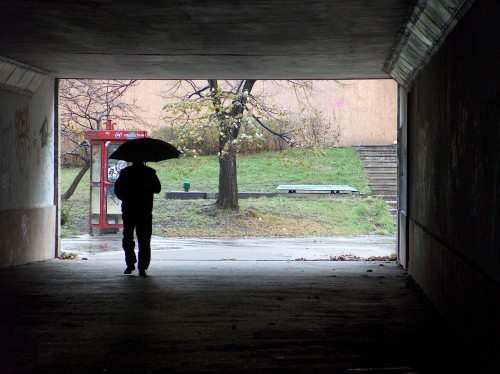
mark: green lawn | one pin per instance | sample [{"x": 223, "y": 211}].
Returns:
[
  {"x": 265, "y": 171},
  {"x": 257, "y": 217}
]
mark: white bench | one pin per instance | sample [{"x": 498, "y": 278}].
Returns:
[{"x": 316, "y": 188}]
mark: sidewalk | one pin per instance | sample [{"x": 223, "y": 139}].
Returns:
[
  {"x": 196, "y": 313},
  {"x": 248, "y": 249}
]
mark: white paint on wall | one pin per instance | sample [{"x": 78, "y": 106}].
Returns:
[
  {"x": 27, "y": 148},
  {"x": 25, "y": 230},
  {"x": 27, "y": 178}
]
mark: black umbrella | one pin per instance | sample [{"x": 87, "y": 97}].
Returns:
[{"x": 146, "y": 150}]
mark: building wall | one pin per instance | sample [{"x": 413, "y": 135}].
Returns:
[
  {"x": 27, "y": 175},
  {"x": 364, "y": 110},
  {"x": 454, "y": 181}
]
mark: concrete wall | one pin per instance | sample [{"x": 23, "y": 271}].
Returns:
[
  {"x": 454, "y": 180},
  {"x": 27, "y": 175}
]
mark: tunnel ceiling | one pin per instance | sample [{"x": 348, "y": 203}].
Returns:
[
  {"x": 325, "y": 39},
  {"x": 322, "y": 39}
]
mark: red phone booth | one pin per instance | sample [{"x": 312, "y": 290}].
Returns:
[{"x": 105, "y": 209}]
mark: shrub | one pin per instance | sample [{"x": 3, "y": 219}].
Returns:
[{"x": 65, "y": 215}]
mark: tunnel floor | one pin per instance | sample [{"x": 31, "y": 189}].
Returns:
[{"x": 220, "y": 316}]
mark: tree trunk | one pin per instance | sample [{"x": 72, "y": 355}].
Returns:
[
  {"x": 228, "y": 184},
  {"x": 77, "y": 180},
  {"x": 229, "y": 129}
]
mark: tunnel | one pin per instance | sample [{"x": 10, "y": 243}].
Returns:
[{"x": 443, "y": 54}]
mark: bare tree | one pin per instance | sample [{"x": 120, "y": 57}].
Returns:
[
  {"x": 85, "y": 104},
  {"x": 230, "y": 108},
  {"x": 229, "y": 119}
]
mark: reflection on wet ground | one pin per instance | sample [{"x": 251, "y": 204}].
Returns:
[{"x": 243, "y": 249}]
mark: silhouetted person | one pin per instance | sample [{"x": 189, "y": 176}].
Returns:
[{"x": 135, "y": 188}]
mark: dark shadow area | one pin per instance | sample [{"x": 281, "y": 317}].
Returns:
[{"x": 221, "y": 316}]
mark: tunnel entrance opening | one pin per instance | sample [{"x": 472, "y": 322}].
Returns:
[{"x": 343, "y": 103}]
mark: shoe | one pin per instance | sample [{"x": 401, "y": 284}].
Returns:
[
  {"x": 129, "y": 270},
  {"x": 142, "y": 272}
]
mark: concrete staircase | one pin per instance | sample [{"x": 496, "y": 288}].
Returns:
[{"x": 381, "y": 165}]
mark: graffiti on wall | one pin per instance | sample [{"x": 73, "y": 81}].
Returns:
[
  {"x": 27, "y": 168},
  {"x": 26, "y": 159},
  {"x": 340, "y": 103},
  {"x": 46, "y": 168},
  {"x": 6, "y": 152},
  {"x": 23, "y": 148},
  {"x": 44, "y": 132},
  {"x": 24, "y": 230}
]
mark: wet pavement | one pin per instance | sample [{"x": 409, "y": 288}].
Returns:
[
  {"x": 246, "y": 249},
  {"x": 197, "y": 312}
]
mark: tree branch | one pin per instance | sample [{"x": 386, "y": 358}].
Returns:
[
  {"x": 285, "y": 136},
  {"x": 198, "y": 92}
]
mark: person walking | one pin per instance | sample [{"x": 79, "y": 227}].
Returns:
[{"x": 135, "y": 187}]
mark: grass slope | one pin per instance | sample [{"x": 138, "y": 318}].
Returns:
[{"x": 257, "y": 217}]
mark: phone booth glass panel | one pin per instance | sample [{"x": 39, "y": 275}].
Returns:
[
  {"x": 95, "y": 189},
  {"x": 95, "y": 205},
  {"x": 113, "y": 204},
  {"x": 113, "y": 213},
  {"x": 105, "y": 208},
  {"x": 95, "y": 173},
  {"x": 114, "y": 166}
]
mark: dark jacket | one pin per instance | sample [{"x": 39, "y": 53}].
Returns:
[{"x": 135, "y": 187}]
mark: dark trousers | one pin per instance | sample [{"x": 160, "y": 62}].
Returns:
[{"x": 142, "y": 223}]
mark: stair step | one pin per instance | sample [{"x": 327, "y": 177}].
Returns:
[
  {"x": 382, "y": 177},
  {"x": 378, "y": 172},
  {"x": 381, "y": 166},
  {"x": 393, "y": 188},
  {"x": 371, "y": 164},
  {"x": 375, "y": 148},
  {"x": 377, "y": 154},
  {"x": 381, "y": 152},
  {"x": 378, "y": 158},
  {"x": 381, "y": 149},
  {"x": 381, "y": 161},
  {"x": 381, "y": 171},
  {"x": 385, "y": 184},
  {"x": 384, "y": 181},
  {"x": 391, "y": 197},
  {"x": 376, "y": 164},
  {"x": 375, "y": 174},
  {"x": 382, "y": 191},
  {"x": 387, "y": 146}
]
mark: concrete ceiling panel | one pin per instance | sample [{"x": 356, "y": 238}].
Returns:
[{"x": 321, "y": 39}]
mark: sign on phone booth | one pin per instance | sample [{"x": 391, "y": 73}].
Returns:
[{"x": 105, "y": 214}]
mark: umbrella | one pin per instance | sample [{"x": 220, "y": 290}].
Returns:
[{"x": 146, "y": 150}]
